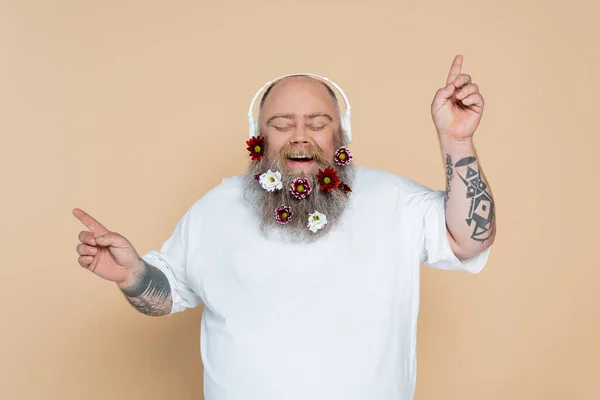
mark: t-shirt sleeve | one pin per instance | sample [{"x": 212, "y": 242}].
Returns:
[
  {"x": 172, "y": 260},
  {"x": 436, "y": 250}
]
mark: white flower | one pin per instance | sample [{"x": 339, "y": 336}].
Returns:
[
  {"x": 271, "y": 181},
  {"x": 316, "y": 221}
]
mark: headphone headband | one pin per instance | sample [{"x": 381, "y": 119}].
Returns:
[{"x": 345, "y": 119}]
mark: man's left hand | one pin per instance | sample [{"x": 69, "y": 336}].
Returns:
[{"x": 457, "y": 108}]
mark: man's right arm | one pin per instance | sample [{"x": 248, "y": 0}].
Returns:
[
  {"x": 148, "y": 288},
  {"x": 148, "y": 291}
]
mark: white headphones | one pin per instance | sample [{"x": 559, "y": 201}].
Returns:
[{"x": 344, "y": 119}]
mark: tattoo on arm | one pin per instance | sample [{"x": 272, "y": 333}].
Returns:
[
  {"x": 151, "y": 292},
  {"x": 449, "y": 176},
  {"x": 481, "y": 211}
]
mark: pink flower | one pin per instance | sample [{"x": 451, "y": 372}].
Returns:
[
  {"x": 343, "y": 156},
  {"x": 300, "y": 188},
  {"x": 283, "y": 214}
]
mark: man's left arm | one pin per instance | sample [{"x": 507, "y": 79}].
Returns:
[
  {"x": 469, "y": 204},
  {"x": 456, "y": 110}
]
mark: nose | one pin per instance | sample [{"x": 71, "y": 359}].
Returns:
[{"x": 300, "y": 135}]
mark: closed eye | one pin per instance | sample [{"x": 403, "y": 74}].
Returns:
[{"x": 283, "y": 128}]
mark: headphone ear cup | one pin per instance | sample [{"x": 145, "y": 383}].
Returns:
[
  {"x": 347, "y": 128},
  {"x": 253, "y": 128}
]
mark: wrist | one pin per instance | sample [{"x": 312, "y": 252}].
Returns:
[
  {"x": 133, "y": 276},
  {"x": 453, "y": 145}
]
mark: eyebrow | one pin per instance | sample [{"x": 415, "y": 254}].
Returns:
[{"x": 309, "y": 116}]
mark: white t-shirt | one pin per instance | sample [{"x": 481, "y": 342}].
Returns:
[{"x": 331, "y": 320}]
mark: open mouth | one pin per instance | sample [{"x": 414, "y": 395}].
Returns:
[{"x": 301, "y": 159}]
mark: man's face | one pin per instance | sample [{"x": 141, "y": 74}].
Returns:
[{"x": 297, "y": 116}]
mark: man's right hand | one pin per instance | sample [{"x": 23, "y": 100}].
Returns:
[{"x": 107, "y": 254}]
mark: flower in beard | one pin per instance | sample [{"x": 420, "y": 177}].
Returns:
[
  {"x": 256, "y": 147},
  {"x": 283, "y": 214},
  {"x": 316, "y": 221},
  {"x": 343, "y": 156},
  {"x": 271, "y": 181},
  {"x": 300, "y": 188},
  {"x": 328, "y": 179},
  {"x": 344, "y": 188}
]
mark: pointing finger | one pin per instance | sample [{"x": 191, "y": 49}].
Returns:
[
  {"x": 454, "y": 69},
  {"x": 92, "y": 224}
]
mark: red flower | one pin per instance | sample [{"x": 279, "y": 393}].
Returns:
[
  {"x": 283, "y": 214},
  {"x": 328, "y": 179},
  {"x": 344, "y": 188},
  {"x": 256, "y": 147},
  {"x": 343, "y": 156},
  {"x": 300, "y": 188}
]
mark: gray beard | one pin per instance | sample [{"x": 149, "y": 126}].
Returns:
[{"x": 264, "y": 203}]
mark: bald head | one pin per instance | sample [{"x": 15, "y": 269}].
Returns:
[{"x": 329, "y": 90}]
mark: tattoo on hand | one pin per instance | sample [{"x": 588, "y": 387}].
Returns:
[
  {"x": 481, "y": 212},
  {"x": 150, "y": 293},
  {"x": 449, "y": 176}
]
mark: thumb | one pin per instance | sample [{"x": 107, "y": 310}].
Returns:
[
  {"x": 442, "y": 95},
  {"x": 446, "y": 92},
  {"x": 112, "y": 239}
]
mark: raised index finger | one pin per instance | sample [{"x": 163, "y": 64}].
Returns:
[
  {"x": 92, "y": 224},
  {"x": 454, "y": 69}
]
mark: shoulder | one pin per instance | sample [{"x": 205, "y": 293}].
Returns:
[
  {"x": 225, "y": 196},
  {"x": 374, "y": 182}
]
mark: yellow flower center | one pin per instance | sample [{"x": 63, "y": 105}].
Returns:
[
  {"x": 327, "y": 180},
  {"x": 284, "y": 215},
  {"x": 316, "y": 218},
  {"x": 300, "y": 188},
  {"x": 272, "y": 179},
  {"x": 343, "y": 156},
  {"x": 257, "y": 149}
]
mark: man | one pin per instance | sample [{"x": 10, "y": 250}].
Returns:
[{"x": 308, "y": 267}]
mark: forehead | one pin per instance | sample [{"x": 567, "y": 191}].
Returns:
[{"x": 299, "y": 95}]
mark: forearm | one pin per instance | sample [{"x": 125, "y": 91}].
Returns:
[
  {"x": 148, "y": 291},
  {"x": 469, "y": 204}
]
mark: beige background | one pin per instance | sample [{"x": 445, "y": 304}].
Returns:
[{"x": 132, "y": 110}]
